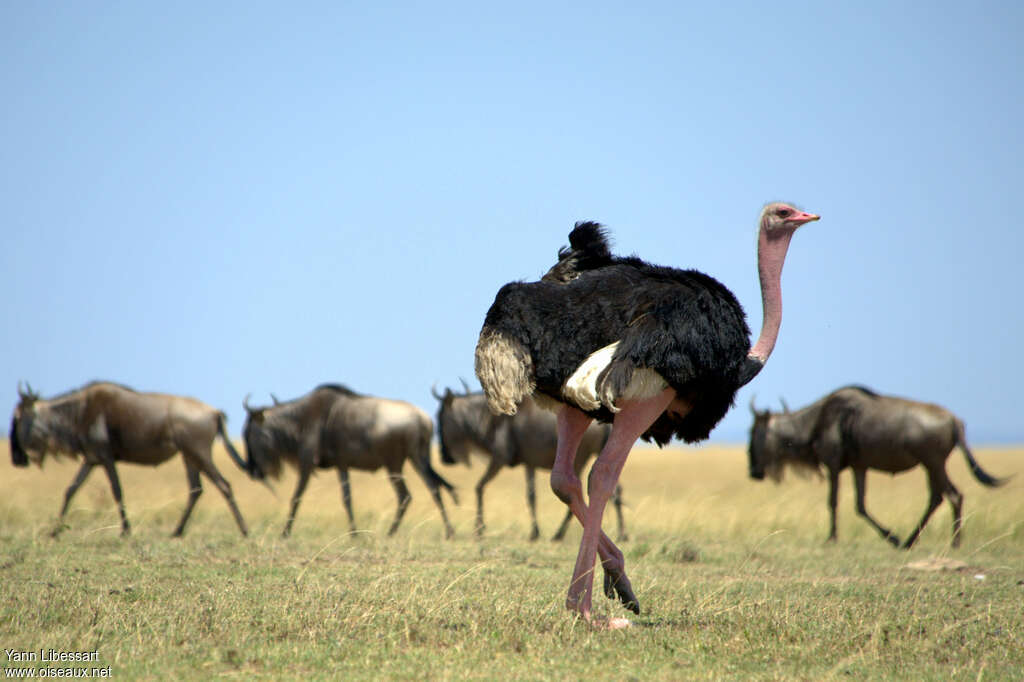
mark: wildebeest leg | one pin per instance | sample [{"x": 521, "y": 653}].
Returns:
[
  {"x": 936, "y": 486},
  {"x": 493, "y": 467},
  {"x": 80, "y": 477},
  {"x": 404, "y": 498},
  {"x": 560, "y": 533},
  {"x": 833, "y": 501},
  {"x": 617, "y": 501},
  {"x": 195, "y": 489},
  {"x": 115, "y": 488},
  {"x": 206, "y": 465},
  {"x": 435, "y": 492},
  {"x": 300, "y": 487},
  {"x": 531, "y": 500},
  {"x": 860, "y": 486},
  {"x": 956, "y": 500},
  {"x": 346, "y": 497}
]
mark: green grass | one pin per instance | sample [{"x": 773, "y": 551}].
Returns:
[{"x": 733, "y": 577}]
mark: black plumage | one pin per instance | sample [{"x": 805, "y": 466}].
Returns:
[{"x": 683, "y": 324}]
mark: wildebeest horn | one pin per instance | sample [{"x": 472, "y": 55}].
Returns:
[
  {"x": 785, "y": 407},
  {"x": 753, "y": 410},
  {"x": 465, "y": 386},
  {"x": 27, "y": 393},
  {"x": 245, "y": 403},
  {"x": 274, "y": 398},
  {"x": 433, "y": 392}
]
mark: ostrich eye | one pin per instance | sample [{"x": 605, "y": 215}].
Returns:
[{"x": 784, "y": 212}]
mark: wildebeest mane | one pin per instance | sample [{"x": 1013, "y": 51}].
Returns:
[
  {"x": 91, "y": 384},
  {"x": 338, "y": 388},
  {"x": 863, "y": 389}
]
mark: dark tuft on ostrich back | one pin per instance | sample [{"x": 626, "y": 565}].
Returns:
[{"x": 587, "y": 250}]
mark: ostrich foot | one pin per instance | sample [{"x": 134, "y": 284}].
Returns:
[
  {"x": 599, "y": 623},
  {"x": 619, "y": 586},
  {"x": 602, "y": 623},
  {"x": 579, "y": 604},
  {"x": 611, "y": 624}
]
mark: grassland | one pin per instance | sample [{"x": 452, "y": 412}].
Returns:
[{"x": 733, "y": 576}]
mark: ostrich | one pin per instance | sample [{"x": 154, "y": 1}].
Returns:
[{"x": 658, "y": 352}]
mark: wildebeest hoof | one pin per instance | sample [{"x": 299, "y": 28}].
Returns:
[
  {"x": 534, "y": 534},
  {"x": 895, "y": 541},
  {"x": 623, "y": 590}
]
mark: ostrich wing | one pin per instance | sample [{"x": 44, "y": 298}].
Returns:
[{"x": 694, "y": 334}]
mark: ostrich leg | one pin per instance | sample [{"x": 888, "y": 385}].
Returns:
[
  {"x": 566, "y": 484},
  {"x": 633, "y": 419}
]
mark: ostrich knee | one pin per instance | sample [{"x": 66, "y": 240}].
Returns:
[
  {"x": 604, "y": 478},
  {"x": 566, "y": 486}
]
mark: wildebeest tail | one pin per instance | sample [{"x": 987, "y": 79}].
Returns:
[
  {"x": 422, "y": 464},
  {"x": 222, "y": 430},
  {"x": 505, "y": 370},
  {"x": 18, "y": 456},
  {"x": 983, "y": 477}
]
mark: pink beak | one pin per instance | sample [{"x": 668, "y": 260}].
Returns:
[{"x": 801, "y": 218}]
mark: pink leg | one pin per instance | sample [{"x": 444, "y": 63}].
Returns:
[
  {"x": 566, "y": 484},
  {"x": 633, "y": 419}
]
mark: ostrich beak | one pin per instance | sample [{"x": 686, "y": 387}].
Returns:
[{"x": 802, "y": 218}]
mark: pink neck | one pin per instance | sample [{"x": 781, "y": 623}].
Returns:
[{"x": 771, "y": 254}]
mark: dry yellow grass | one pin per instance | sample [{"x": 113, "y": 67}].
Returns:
[
  {"x": 733, "y": 575},
  {"x": 703, "y": 490}
]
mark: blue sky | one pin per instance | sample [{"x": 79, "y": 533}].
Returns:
[{"x": 221, "y": 198}]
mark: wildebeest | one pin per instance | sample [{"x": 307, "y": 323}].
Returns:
[
  {"x": 333, "y": 426},
  {"x": 465, "y": 424},
  {"x": 104, "y": 423},
  {"x": 857, "y": 428}
]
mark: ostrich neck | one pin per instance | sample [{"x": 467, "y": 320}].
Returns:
[{"x": 771, "y": 254}]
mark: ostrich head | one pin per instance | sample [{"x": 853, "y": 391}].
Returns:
[
  {"x": 778, "y": 223},
  {"x": 779, "y": 218}
]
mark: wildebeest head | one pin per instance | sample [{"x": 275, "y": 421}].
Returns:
[
  {"x": 261, "y": 458},
  {"x": 452, "y": 439},
  {"x": 24, "y": 428},
  {"x": 758, "y": 436},
  {"x": 765, "y": 451},
  {"x": 778, "y": 440}
]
